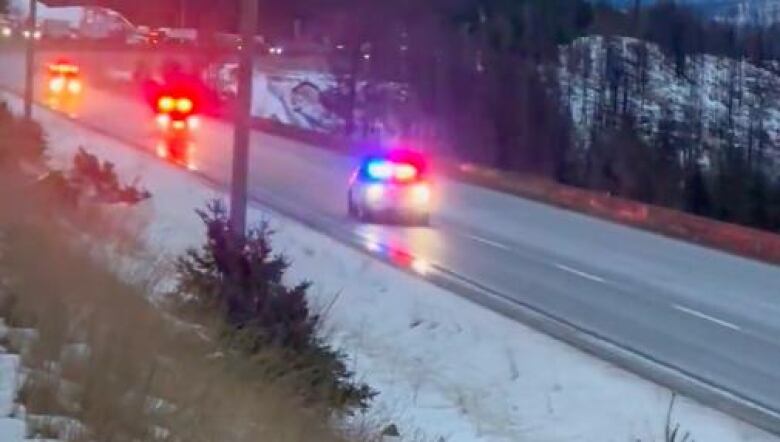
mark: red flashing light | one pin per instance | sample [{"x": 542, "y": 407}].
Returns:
[
  {"x": 166, "y": 104},
  {"x": 63, "y": 68},
  {"x": 184, "y": 105},
  {"x": 404, "y": 172}
]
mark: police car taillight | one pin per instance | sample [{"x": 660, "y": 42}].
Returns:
[{"x": 404, "y": 172}]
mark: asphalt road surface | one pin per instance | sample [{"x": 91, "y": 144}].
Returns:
[{"x": 703, "y": 312}]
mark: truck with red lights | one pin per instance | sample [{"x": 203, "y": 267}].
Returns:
[{"x": 64, "y": 86}]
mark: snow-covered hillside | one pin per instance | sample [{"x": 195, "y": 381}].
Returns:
[
  {"x": 746, "y": 12},
  {"x": 603, "y": 78}
]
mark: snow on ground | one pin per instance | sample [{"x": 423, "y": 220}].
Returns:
[
  {"x": 442, "y": 364},
  {"x": 11, "y": 429}
]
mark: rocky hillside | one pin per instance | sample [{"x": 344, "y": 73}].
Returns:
[
  {"x": 714, "y": 102},
  {"x": 745, "y": 12}
]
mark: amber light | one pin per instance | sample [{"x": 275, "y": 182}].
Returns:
[
  {"x": 166, "y": 104},
  {"x": 184, "y": 105}
]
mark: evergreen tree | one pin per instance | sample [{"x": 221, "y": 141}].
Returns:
[
  {"x": 19, "y": 138},
  {"x": 241, "y": 279}
]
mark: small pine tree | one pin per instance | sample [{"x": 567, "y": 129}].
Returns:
[
  {"x": 19, "y": 138},
  {"x": 242, "y": 279},
  {"x": 98, "y": 180}
]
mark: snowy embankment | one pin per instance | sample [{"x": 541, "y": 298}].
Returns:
[
  {"x": 12, "y": 429},
  {"x": 442, "y": 364}
]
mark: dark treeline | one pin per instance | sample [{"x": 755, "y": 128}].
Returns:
[{"x": 681, "y": 30}]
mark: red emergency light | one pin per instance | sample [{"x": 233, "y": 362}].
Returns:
[{"x": 167, "y": 104}]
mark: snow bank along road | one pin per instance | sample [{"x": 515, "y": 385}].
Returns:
[{"x": 703, "y": 322}]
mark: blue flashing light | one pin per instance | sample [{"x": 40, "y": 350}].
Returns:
[{"x": 380, "y": 170}]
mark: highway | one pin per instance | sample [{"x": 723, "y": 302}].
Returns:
[{"x": 684, "y": 309}]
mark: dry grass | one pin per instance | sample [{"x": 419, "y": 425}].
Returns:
[{"x": 107, "y": 359}]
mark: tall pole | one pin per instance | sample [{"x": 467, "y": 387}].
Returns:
[
  {"x": 29, "y": 87},
  {"x": 238, "y": 194},
  {"x": 182, "y": 13}
]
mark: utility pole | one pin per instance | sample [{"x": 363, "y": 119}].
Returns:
[
  {"x": 182, "y": 13},
  {"x": 238, "y": 193},
  {"x": 29, "y": 87}
]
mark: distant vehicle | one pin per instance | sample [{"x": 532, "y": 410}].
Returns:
[
  {"x": 57, "y": 29},
  {"x": 35, "y": 33},
  {"x": 137, "y": 37},
  {"x": 177, "y": 104},
  {"x": 261, "y": 46},
  {"x": 391, "y": 186},
  {"x": 64, "y": 86},
  {"x": 65, "y": 78},
  {"x": 297, "y": 48},
  {"x": 155, "y": 36},
  {"x": 177, "y": 120},
  {"x": 103, "y": 23},
  {"x": 180, "y": 35},
  {"x": 7, "y": 28},
  {"x": 88, "y": 22},
  {"x": 176, "y": 113}
]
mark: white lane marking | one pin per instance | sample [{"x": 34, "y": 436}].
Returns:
[
  {"x": 488, "y": 242},
  {"x": 580, "y": 273},
  {"x": 706, "y": 317}
]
